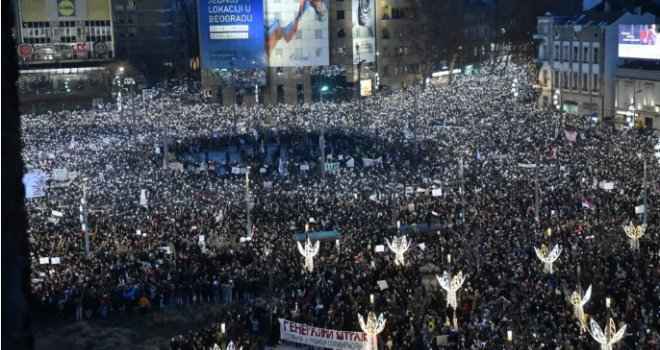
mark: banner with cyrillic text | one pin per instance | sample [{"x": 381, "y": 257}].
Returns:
[{"x": 321, "y": 337}]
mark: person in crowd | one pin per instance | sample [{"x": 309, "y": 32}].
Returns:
[{"x": 476, "y": 177}]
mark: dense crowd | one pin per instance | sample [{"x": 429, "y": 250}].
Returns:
[{"x": 496, "y": 158}]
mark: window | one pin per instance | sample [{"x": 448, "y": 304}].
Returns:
[
  {"x": 585, "y": 82},
  {"x": 280, "y": 93},
  {"x": 398, "y": 13},
  {"x": 556, "y": 52},
  {"x": 596, "y": 58},
  {"x": 564, "y": 78},
  {"x": 596, "y": 82},
  {"x": 318, "y": 34},
  {"x": 575, "y": 81},
  {"x": 585, "y": 56},
  {"x": 386, "y": 33},
  {"x": 341, "y": 33},
  {"x": 556, "y": 79},
  {"x": 300, "y": 93},
  {"x": 299, "y": 33},
  {"x": 576, "y": 52},
  {"x": 545, "y": 81},
  {"x": 340, "y": 15}
]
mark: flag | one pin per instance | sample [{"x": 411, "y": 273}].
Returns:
[
  {"x": 571, "y": 135},
  {"x": 478, "y": 155},
  {"x": 553, "y": 152},
  {"x": 640, "y": 209},
  {"x": 587, "y": 204}
]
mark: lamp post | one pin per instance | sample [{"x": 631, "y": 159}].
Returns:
[
  {"x": 399, "y": 246},
  {"x": 548, "y": 257},
  {"x": 324, "y": 89},
  {"x": 248, "y": 204},
  {"x": 83, "y": 217},
  {"x": 373, "y": 326},
  {"x": 451, "y": 284}
]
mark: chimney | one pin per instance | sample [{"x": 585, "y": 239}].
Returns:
[
  {"x": 638, "y": 10},
  {"x": 607, "y": 8}
]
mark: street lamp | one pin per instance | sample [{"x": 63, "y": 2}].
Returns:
[
  {"x": 548, "y": 257},
  {"x": 372, "y": 327}
]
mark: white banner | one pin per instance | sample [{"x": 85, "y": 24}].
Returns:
[
  {"x": 143, "y": 198},
  {"x": 436, "y": 192},
  {"x": 321, "y": 337},
  {"x": 35, "y": 184}
]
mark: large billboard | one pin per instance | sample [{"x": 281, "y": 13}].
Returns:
[
  {"x": 297, "y": 33},
  {"x": 639, "y": 41},
  {"x": 231, "y": 34},
  {"x": 364, "y": 39}
]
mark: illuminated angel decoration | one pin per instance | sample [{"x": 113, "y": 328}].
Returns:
[
  {"x": 452, "y": 285},
  {"x": 609, "y": 337},
  {"x": 372, "y": 327},
  {"x": 578, "y": 303},
  {"x": 399, "y": 246},
  {"x": 634, "y": 233},
  {"x": 309, "y": 251},
  {"x": 548, "y": 257}
]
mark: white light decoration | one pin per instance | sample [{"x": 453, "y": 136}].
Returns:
[
  {"x": 372, "y": 327},
  {"x": 309, "y": 251},
  {"x": 578, "y": 303},
  {"x": 634, "y": 233},
  {"x": 399, "y": 246},
  {"x": 452, "y": 284},
  {"x": 230, "y": 346},
  {"x": 548, "y": 257},
  {"x": 609, "y": 337}
]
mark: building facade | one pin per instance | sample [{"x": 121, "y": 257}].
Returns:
[
  {"x": 361, "y": 60},
  {"x": 64, "y": 48},
  {"x": 578, "y": 58},
  {"x": 637, "y": 100},
  {"x": 151, "y": 35}
]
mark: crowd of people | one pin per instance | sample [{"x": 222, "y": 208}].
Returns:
[{"x": 507, "y": 176}]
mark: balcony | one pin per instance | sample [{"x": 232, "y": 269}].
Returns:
[{"x": 540, "y": 36}]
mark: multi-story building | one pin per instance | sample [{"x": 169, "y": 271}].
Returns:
[
  {"x": 378, "y": 54},
  {"x": 64, "y": 48},
  {"x": 154, "y": 35},
  {"x": 578, "y": 59},
  {"x": 637, "y": 100}
]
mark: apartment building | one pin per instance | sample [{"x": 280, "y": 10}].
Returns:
[{"x": 578, "y": 60}]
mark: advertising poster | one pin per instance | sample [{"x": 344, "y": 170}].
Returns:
[
  {"x": 364, "y": 39},
  {"x": 297, "y": 33},
  {"x": 639, "y": 41},
  {"x": 231, "y": 34}
]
